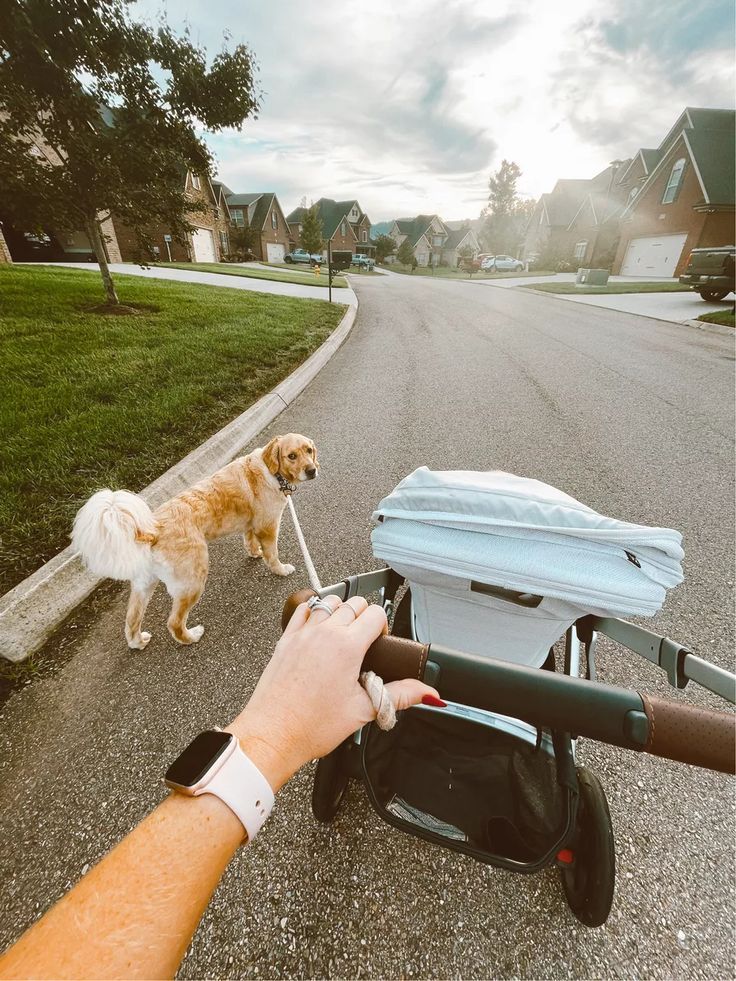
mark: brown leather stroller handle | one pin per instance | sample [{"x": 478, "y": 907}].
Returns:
[{"x": 701, "y": 737}]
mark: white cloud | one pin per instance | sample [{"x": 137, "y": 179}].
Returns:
[{"x": 409, "y": 107}]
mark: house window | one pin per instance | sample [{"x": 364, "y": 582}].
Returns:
[
  {"x": 300, "y": 229},
  {"x": 364, "y": 235},
  {"x": 237, "y": 217},
  {"x": 673, "y": 184},
  {"x": 580, "y": 249},
  {"x": 196, "y": 182},
  {"x": 274, "y": 219},
  {"x": 437, "y": 240},
  {"x": 343, "y": 228},
  {"x": 353, "y": 213},
  {"x": 224, "y": 243}
]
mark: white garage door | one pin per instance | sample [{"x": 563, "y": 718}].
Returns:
[
  {"x": 204, "y": 245},
  {"x": 653, "y": 256},
  {"x": 274, "y": 253}
]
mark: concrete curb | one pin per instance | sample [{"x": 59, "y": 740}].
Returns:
[
  {"x": 699, "y": 324},
  {"x": 33, "y": 609}
]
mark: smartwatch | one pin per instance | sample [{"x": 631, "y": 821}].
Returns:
[{"x": 214, "y": 763}]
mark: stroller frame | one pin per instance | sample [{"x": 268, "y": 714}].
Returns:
[{"x": 608, "y": 714}]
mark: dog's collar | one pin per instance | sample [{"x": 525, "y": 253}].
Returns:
[{"x": 286, "y": 487}]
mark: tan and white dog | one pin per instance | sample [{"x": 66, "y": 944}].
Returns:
[{"x": 120, "y": 537}]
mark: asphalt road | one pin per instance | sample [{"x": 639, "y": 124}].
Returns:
[{"x": 634, "y": 417}]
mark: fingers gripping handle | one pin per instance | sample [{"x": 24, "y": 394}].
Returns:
[{"x": 391, "y": 658}]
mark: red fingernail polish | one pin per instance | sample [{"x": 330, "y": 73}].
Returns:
[{"x": 434, "y": 701}]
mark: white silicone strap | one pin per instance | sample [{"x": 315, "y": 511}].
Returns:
[{"x": 241, "y": 785}]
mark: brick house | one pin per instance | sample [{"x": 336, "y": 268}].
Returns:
[
  {"x": 203, "y": 245},
  {"x": 577, "y": 219},
  {"x": 262, "y": 212},
  {"x": 345, "y": 226},
  {"x": 457, "y": 242},
  {"x": 593, "y": 232},
  {"x": 679, "y": 196},
  {"x": 426, "y": 234}
]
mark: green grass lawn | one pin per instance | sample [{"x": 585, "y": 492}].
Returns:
[
  {"x": 278, "y": 275},
  {"x": 719, "y": 317},
  {"x": 90, "y": 401},
  {"x": 611, "y": 288},
  {"x": 444, "y": 272}
]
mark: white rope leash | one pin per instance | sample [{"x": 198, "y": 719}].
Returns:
[
  {"x": 311, "y": 571},
  {"x": 373, "y": 685}
]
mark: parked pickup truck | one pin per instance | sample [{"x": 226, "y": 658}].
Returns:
[
  {"x": 710, "y": 272},
  {"x": 301, "y": 255},
  {"x": 364, "y": 261}
]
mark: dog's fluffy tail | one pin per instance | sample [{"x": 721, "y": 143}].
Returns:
[{"x": 114, "y": 532}]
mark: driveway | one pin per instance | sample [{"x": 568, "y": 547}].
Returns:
[
  {"x": 339, "y": 295},
  {"x": 675, "y": 307},
  {"x": 632, "y": 416}
]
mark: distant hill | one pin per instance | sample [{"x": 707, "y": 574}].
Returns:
[{"x": 381, "y": 228}]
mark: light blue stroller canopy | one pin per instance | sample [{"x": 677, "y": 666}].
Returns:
[{"x": 450, "y": 533}]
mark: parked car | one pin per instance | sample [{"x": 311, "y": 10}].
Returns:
[
  {"x": 502, "y": 263},
  {"x": 363, "y": 261},
  {"x": 301, "y": 255},
  {"x": 486, "y": 261},
  {"x": 710, "y": 272}
]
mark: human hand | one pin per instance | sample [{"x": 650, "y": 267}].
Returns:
[{"x": 308, "y": 699}]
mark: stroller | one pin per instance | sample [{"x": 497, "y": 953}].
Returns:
[{"x": 497, "y": 569}]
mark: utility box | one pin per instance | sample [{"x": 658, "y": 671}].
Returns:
[{"x": 592, "y": 277}]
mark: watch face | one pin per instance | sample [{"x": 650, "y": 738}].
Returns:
[{"x": 189, "y": 768}]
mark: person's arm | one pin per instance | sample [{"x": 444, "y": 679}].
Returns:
[{"x": 134, "y": 914}]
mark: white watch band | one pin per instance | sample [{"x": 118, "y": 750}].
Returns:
[{"x": 241, "y": 785}]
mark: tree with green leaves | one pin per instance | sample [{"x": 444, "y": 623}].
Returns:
[
  {"x": 99, "y": 115},
  {"x": 405, "y": 253},
  {"x": 242, "y": 239},
  {"x": 385, "y": 246},
  {"x": 507, "y": 215},
  {"x": 311, "y": 236}
]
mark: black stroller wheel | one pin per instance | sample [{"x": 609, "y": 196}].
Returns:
[
  {"x": 330, "y": 783},
  {"x": 589, "y": 882}
]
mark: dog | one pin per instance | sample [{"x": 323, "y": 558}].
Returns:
[{"x": 120, "y": 537}]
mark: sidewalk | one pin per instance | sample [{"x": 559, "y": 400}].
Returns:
[{"x": 339, "y": 294}]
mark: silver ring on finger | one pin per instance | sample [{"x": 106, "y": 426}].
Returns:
[{"x": 316, "y": 603}]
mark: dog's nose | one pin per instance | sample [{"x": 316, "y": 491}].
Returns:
[{"x": 312, "y": 472}]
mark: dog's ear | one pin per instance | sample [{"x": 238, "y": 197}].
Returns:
[
  {"x": 314, "y": 453},
  {"x": 272, "y": 454}
]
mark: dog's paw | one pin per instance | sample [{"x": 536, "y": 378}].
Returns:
[
  {"x": 255, "y": 554},
  {"x": 284, "y": 570},
  {"x": 140, "y": 642},
  {"x": 195, "y": 633}
]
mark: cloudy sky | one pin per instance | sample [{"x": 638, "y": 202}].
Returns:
[{"x": 410, "y": 105}]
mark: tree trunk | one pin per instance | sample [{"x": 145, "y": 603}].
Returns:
[{"x": 95, "y": 236}]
